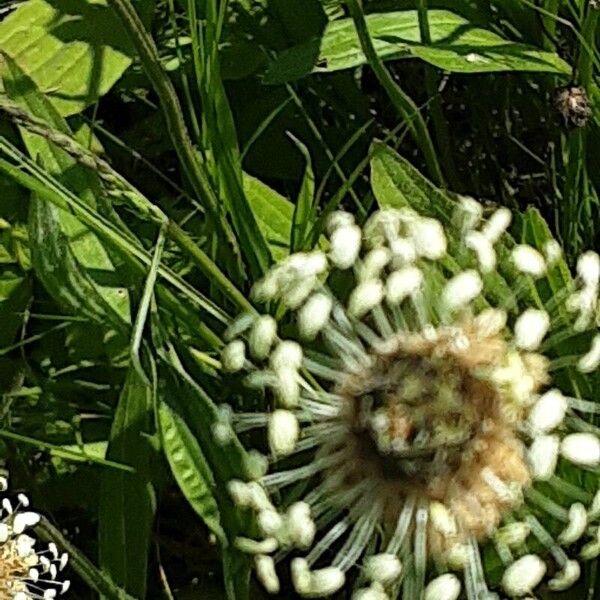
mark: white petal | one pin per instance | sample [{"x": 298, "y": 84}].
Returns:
[
  {"x": 365, "y": 297},
  {"x": 497, "y": 224},
  {"x": 23, "y": 520},
  {"x": 581, "y": 449},
  {"x": 287, "y": 387},
  {"x": 429, "y": 237},
  {"x": 513, "y": 534},
  {"x": 462, "y": 289},
  {"x": 484, "y": 250},
  {"x": 552, "y": 252},
  {"x": 233, "y": 356},
  {"x": 339, "y": 218},
  {"x": 523, "y": 575},
  {"x": 314, "y": 315},
  {"x": 530, "y": 328},
  {"x": 374, "y": 262},
  {"x": 542, "y": 456},
  {"x": 588, "y": 268},
  {"x": 442, "y": 519},
  {"x": 287, "y": 354},
  {"x": 548, "y": 412},
  {"x": 283, "y": 432},
  {"x": 528, "y": 260},
  {"x": 402, "y": 283},
  {"x": 262, "y": 336},
  {"x": 444, "y": 587},
  {"x": 345, "y": 245}
]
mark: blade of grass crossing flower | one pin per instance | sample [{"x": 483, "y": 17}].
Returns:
[
  {"x": 127, "y": 502},
  {"x": 304, "y": 211}
]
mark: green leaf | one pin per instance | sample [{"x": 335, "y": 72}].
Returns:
[
  {"x": 457, "y": 46},
  {"x": 74, "y": 50},
  {"x": 304, "y": 214},
  {"x": 274, "y": 214},
  {"x": 127, "y": 501},
  {"x": 190, "y": 469},
  {"x": 69, "y": 259}
]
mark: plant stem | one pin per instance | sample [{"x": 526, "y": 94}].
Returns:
[{"x": 403, "y": 102}]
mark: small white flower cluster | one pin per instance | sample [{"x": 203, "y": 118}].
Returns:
[
  {"x": 406, "y": 294},
  {"x": 26, "y": 573}
]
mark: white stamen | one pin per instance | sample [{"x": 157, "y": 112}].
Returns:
[
  {"x": 565, "y": 578},
  {"x": 402, "y": 283},
  {"x": 513, "y": 534},
  {"x": 287, "y": 354},
  {"x": 314, "y": 315},
  {"x": 576, "y": 525},
  {"x": 383, "y": 568},
  {"x": 470, "y": 212},
  {"x": 588, "y": 268},
  {"x": 484, "y": 250},
  {"x": 444, "y": 587},
  {"x": 300, "y": 526},
  {"x": 262, "y": 336},
  {"x": 283, "y": 432},
  {"x": 233, "y": 356},
  {"x": 429, "y": 237},
  {"x": 542, "y": 456},
  {"x": 287, "y": 387},
  {"x": 552, "y": 252},
  {"x": 589, "y": 362},
  {"x": 528, "y": 260},
  {"x": 530, "y": 328},
  {"x": 548, "y": 412},
  {"x": 375, "y": 592},
  {"x": 403, "y": 251},
  {"x": 265, "y": 571},
  {"x": 374, "y": 262},
  {"x": 325, "y": 582},
  {"x": 523, "y": 575},
  {"x": 345, "y": 245},
  {"x": 442, "y": 519},
  {"x": 490, "y": 322},
  {"x": 269, "y": 522},
  {"x": 23, "y": 520},
  {"x": 339, "y": 218},
  {"x": 582, "y": 449},
  {"x": 462, "y": 289},
  {"x": 497, "y": 224},
  {"x": 365, "y": 297}
]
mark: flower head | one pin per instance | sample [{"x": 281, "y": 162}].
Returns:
[
  {"x": 415, "y": 418},
  {"x": 26, "y": 573}
]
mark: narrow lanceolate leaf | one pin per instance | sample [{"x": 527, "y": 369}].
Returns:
[
  {"x": 69, "y": 259},
  {"x": 304, "y": 209},
  {"x": 190, "y": 469},
  {"x": 74, "y": 51},
  {"x": 456, "y": 46},
  {"x": 127, "y": 499}
]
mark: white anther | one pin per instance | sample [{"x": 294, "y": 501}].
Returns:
[
  {"x": 403, "y": 283},
  {"x": 297, "y": 291},
  {"x": 548, "y": 412},
  {"x": 528, "y": 260},
  {"x": 513, "y": 534},
  {"x": 4, "y": 532},
  {"x": 325, "y": 582},
  {"x": 462, "y": 289},
  {"x": 250, "y": 546},
  {"x": 286, "y": 355},
  {"x": 444, "y": 587},
  {"x": 383, "y": 568},
  {"x": 588, "y": 268},
  {"x": 589, "y": 362},
  {"x": 552, "y": 252},
  {"x": 266, "y": 574},
  {"x": 301, "y": 575},
  {"x": 429, "y": 237},
  {"x": 365, "y": 297},
  {"x": 403, "y": 251},
  {"x": 239, "y": 492},
  {"x": 484, "y": 250},
  {"x": 457, "y": 556},
  {"x": 470, "y": 213},
  {"x": 530, "y": 329},
  {"x": 23, "y": 500},
  {"x": 269, "y": 522},
  {"x": 374, "y": 262},
  {"x": 287, "y": 387},
  {"x": 374, "y": 592},
  {"x": 542, "y": 456},
  {"x": 442, "y": 519},
  {"x": 566, "y": 577},
  {"x": 345, "y": 245},
  {"x": 23, "y": 520},
  {"x": 233, "y": 356},
  {"x": 582, "y": 449},
  {"x": 66, "y": 584},
  {"x": 3, "y": 483},
  {"x": 300, "y": 526},
  {"x": 576, "y": 526},
  {"x": 283, "y": 432},
  {"x": 262, "y": 336},
  {"x": 314, "y": 315},
  {"x": 490, "y": 322},
  {"x": 497, "y": 224},
  {"x": 523, "y": 575},
  {"x": 339, "y": 218}
]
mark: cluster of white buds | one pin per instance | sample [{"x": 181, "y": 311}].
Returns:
[
  {"x": 26, "y": 573},
  {"x": 416, "y": 409}
]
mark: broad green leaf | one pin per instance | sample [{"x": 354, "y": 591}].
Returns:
[
  {"x": 69, "y": 259},
  {"x": 457, "y": 46},
  {"x": 274, "y": 214},
  {"x": 190, "y": 469},
  {"x": 127, "y": 501},
  {"x": 74, "y": 50}
]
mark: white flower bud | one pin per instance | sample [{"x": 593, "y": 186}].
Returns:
[
  {"x": 530, "y": 329},
  {"x": 259, "y": 500},
  {"x": 339, "y": 218},
  {"x": 469, "y": 213},
  {"x": 552, "y": 252},
  {"x": 262, "y": 336},
  {"x": 444, "y": 587},
  {"x": 300, "y": 526},
  {"x": 374, "y": 592},
  {"x": 523, "y": 575},
  {"x": 301, "y": 575},
  {"x": 462, "y": 289},
  {"x": 542, "y": 456},
  {"x": 429, "y": 237},
  {"x": 513, "y": 534},
  {"x": 403, "y": 251},
  {"x": 269, "y": 522},
  {"x": 325, "y": 582},
  {"x": 457, "y": 556},
  {"x": 374, "y": 262},
  {"x": 314, "y": 315},
  {"x": 582, "y": 449},
  {"x": 403, "y": 283},
  {"x": 287, "y": 354},
  {"x": 497, "y": 224},
  {"x": 383, "y": 568},
  {"x": 588, "y": 268},
  {"x": 23, "y": 520},
  {"x": 267, "y": 288},
  {"x": 442, "y": 519},
  {"x": 365, "y": 297},
  {"x": 233, "y": 356},
  {"x": 565, "y": 578},
  {"x": 283, "y": 432},
  {"x": 250, "y": 546},
  {"x": 576, "y": 526},
  {"x": 266, "y": 574},
  {"x": 528, "y": 260},
  {"x": 589, "y": 362},
  {"x": 548, "y": 412},
  {"x": 484, "y": 250},
  {"x": 297, "y": 291},
  {"x": 345, "y": 245},
  {"x": 287, "y": 387}
]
